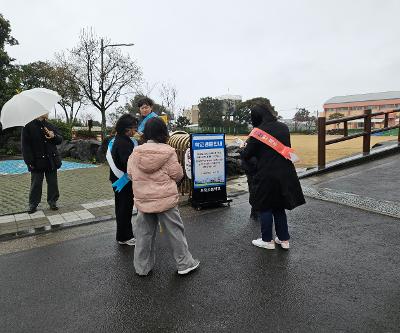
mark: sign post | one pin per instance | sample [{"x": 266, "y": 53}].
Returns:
[{"x": 208, "y": 167}]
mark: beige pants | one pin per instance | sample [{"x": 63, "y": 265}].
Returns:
[{"x": 146, "y": 231}]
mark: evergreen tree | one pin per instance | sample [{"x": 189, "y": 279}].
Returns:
[
  {"x": 211, "y": 112},
  {"x": 8, "y": 79}
]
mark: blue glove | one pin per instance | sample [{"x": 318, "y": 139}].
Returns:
[{"x": 120, "y": 183}]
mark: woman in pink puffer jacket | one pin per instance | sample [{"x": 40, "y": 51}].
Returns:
[{"x": 154, "y": 170}]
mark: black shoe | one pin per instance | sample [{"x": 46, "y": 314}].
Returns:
[
  {"x": 54, "y": 207},
  {"x": 32, "y": 210}
]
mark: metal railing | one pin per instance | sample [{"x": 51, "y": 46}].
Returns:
[
  {"x": 366, "y": 133},
  {"x": 180, "y": 140}
]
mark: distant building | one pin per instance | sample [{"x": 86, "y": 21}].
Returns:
[
  {"x": 353, "y": 105},
  {"x": 229, "y": 104},
  {"x": 229, "y": 98},
  {"x": 192, "y": 114},
  {"x": 297, "y": 125}
]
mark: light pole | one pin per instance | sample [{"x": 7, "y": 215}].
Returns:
[{"x": 102, "y": 48}]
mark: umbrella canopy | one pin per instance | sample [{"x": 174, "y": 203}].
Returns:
[{"x": 28, "y": 105}]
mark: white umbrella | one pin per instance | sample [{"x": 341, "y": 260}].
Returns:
[{"x": 28, "y": 105}]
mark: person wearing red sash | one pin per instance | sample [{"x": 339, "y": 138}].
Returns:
[{"x": 276, "y": 185}]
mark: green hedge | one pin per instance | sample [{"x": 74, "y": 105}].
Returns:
[
  {"x": 64, "y": 128},
  {"x": 233, "y": 130},
  {"x": 85, "y": 134}
]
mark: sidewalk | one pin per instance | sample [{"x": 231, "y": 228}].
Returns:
[
  {"x": 75, "y": 186},
  {"x": 371, "y": 186},
  {"x": 78, "y": 205}
]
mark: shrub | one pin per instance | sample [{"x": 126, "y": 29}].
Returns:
[
  {"x": 304, "y": 131},
  {"x": 11, "y": 152},
  {"x": 64, "y": 128},
  {"x": 336, "y": 131},
  {"x": 85, "y": 134}
]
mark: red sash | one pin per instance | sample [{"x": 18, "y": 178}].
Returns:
[{"x": 275, "y": 144}]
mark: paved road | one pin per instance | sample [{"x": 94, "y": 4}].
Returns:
[
  {"x": 377, "y": 179},
  {"x": 342, "y": 274}
]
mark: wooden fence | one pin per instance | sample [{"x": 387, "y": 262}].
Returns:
[{"x": 366, "y": 133}]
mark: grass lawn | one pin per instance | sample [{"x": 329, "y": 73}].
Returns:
[{"x": 306, "y": 147}]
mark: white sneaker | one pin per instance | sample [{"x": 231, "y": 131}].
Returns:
[
  {"x": 130, "y": 242},
  {"x": 284, "y": 244},
  {"x": 265, "y": 245},
  {"x": 192, "y": 268}
]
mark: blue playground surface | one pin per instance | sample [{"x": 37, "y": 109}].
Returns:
[{"x": 17, "y": 167}]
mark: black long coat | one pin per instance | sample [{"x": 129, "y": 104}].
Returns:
[
  {"x": 37, "y": 151},
  {"x": 121, "y": 150},
  {"x": 276, "y": 184}
]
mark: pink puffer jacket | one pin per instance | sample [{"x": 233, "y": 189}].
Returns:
[{"x": 154, "y": 170}]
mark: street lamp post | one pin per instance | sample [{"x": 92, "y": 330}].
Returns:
[{"x": 102, "y": 48}]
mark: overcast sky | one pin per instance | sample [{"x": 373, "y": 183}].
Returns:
[{"x": 296, "y": 53}]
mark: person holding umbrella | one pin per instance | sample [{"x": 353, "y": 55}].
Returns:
[
  {"x": 30, "y": 109},
  {"x": 39, "y": 139}
]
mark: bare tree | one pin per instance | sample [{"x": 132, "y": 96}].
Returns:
[
  {"x": 146, "y": 88},
  {"x": 168, "y": 94},
  {"x": 102, "y": 71},
  {"x": 113, "y": 116},
  {"x": 57, "y": 77},
  {"x": 86, "y": 116},
  {"x": 70, "y": 91}
]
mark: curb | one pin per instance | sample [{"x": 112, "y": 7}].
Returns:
[
  {"x": 53, "y": 228},
  {"x": 22, "y": 224},
  {"x": 377, "y": 206}
]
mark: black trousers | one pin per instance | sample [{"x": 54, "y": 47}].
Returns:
[
  {"x": 35, "y": 193},
  {"x": 123, "y": 212},
  {"x": 250, "y": 183}
]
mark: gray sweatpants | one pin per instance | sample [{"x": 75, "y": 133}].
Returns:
[{"x": 146, "y": 231}]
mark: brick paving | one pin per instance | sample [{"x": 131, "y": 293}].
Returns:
[
  {"x": 93, "y": 201},
  {"x": 76, "y": 186},
  {"x": 12, "y": 225},
  {"x": 85, "y": 197}
]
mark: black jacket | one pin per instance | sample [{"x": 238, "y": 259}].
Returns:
[
  {"x": 40, "y": 154},
  {"x": 276, "y": 184},
  {"x": 121, "y": 150}
]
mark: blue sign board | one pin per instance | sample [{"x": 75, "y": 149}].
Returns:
[{"x": 208, "y": 168}]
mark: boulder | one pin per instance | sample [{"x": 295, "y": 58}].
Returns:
[
  {"x": 233, "y": 161},
  {"x": 83, "y": 150},
  {"x": 233, "y": 148},
  {"x": 233, "y": 167},
  {"x": 64, "y": 148}
]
